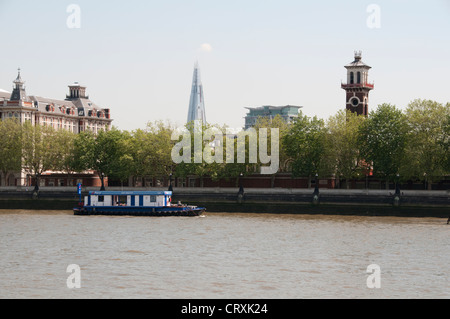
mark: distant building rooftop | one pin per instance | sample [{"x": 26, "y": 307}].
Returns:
[
  {"x": 4, "y": 94},
  {"x": 287, "y": 113}
]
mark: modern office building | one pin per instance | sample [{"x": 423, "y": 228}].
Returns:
[{"x": 287, "y": 113}]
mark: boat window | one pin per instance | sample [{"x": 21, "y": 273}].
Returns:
[
  {"x": 122, "y": 200},
  {"x": 101, "y": 198},
  {"x": 153, "y": 199}
]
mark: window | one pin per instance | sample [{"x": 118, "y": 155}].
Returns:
[
  {"x": 352, "y": 78},
  {"x": 359, "y": 77},
  {"x": 152, "y": 198}
]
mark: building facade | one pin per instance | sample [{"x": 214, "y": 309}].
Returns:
[
  {"x": 288, "y": 113},
  {"x": 357, "y": 87},
  {"x": 75, "y": 113}
]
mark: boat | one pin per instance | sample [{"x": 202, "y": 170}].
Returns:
[{"x": 134, "y": 203}]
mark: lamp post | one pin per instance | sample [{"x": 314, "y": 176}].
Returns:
[
  {"x": 241, "y": 187},
  {"x": 397, "y": 192},
  {"x": 102, "y": 188},
  {"x": 170, "y": 183},
  {"x": 316, "y": 189},
  {"x": 240, "y": 195},
  {"x": 397, "y": 186}
]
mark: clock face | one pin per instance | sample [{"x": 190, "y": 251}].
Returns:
[{"x": 355, "y": 102}]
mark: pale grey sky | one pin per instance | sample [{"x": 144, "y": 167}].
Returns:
[{"x": 137, "y": 57}]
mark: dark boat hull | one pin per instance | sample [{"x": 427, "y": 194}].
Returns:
[{"x": 136, "y": 211}]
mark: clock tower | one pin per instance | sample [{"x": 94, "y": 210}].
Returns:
[{"x": 357, "y": 86}]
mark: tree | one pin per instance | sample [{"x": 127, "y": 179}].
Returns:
[
  {"x": 200, "y": 154},
  {"x": 305, "y": 144},
  {"x": 105, "y": 153},
  {"x": 445, "y": 140},
  {"x": 109, "y": 156},
  {"x": 10, "y": 147},
  {"x": 274, "y": 123},
  {"x": 342, "y": 137},
  {"x": 64, "y": 151},
  {"x": 235, "y": 166},
  {"x": 159, "y": 148},
  {"x": 83, "y": 152},
  {"x": 38, "y": 144},
  {"x": 383, "y": 137},
  {"x": 426, "y": 149}
]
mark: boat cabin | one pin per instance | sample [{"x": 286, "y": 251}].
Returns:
[{"x": 129, "y": 199}]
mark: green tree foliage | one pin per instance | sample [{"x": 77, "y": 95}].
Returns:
[
  {"x": 427, "y": 150},
  {"x": 283, "y": 128},
  {"x": 383, "y": 140},
  {"x": 104, "y": 153},
  {"x": 10, "y": 147},
  {"x": 203, "y": 158},
  {"x": 149, "y": 150},
  {"x": 83, "y": 156},
  {"x": 445, "y": 141},
  {"x": 64, "y": 151},
  {"x": 305, "y": 144},
  {"x": 109, "y": 155},
  {"x": 345, "y": 156},
  {"x": 38, "y": 145},
  {"x": 414, "y": 143}
]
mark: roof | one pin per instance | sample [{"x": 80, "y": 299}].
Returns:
[
  {"x": 270, "y": 107},
  {"x": 357, "y": 62},
  {"x": 132, "y": 193},
  {"x": 4, "y": 94},
  {"x": 61, "y": 106}
]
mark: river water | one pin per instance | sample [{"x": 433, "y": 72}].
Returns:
[{"x": 226, "y": 256}]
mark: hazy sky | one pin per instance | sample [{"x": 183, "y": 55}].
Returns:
[{"x": 137, "y": 57}]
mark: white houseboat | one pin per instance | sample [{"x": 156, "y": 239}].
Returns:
[{"x": 131, "y": 203}]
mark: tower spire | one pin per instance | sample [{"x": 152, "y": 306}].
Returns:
[
  {"x": 18, "y": 92},
  {"x": 18, "y": 80},
  {"x": 196, "y": 104}
]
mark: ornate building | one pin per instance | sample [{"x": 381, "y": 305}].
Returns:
[
  {"x": 357, "y": 86},
  {"x": 76, "y": 113}
]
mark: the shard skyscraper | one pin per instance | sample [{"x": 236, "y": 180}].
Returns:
[{"x": 197, "y": 102}]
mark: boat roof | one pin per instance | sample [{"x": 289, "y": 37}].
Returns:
[{"x": 126, "y": 193}]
